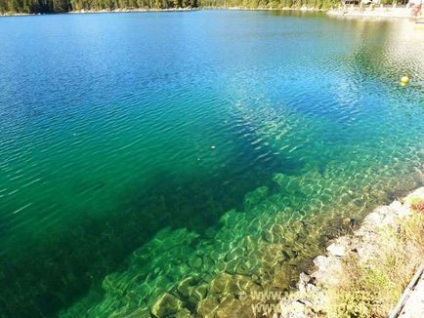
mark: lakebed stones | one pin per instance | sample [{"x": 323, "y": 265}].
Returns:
[
  {"x": 198, "y": 293},
  {"x": 253, "y": 198},
  {"x": 195, "y": 262},
  {"x": 280, "y": 179},
  {"x": 167, "y": 305},
  {"x": 225, "y": 283},
  {"x": 206, "y": 307},
  {"x": 183, "y": 313},
  {"x": 232, "y": 307},
  {"x": 234, "y": 254},
  {"x": 185, "y": 286},
  {"x": 249, "y": 242},
  {"x": 143, "y": 312},
  {"x": 228, "y": 296}
]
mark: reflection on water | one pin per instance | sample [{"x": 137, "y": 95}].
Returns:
[{"x": 169, "y": 163}]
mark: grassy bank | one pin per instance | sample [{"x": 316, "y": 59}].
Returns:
[
  {"x": 364, "y": 275},
  {"x": 372, "y": 287}
]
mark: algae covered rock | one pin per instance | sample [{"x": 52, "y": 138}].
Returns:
[
  {"x": 232, "y": 307},
  {"x": 191, "y": 290},
  {"x": 186, "y": 285},
  {"x": 280, "y": 179},
  {"x": 207, "y": 307},
  {"x": 255, "y": 197},
  {"x": 167, "y": 305},
  {"x": 198, "y": 293},
  {"x": 183, "y": 313}
]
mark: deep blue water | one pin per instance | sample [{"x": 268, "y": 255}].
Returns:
[{"x": 139, "y": 151}]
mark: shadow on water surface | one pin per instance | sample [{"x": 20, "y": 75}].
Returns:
[{"x": 47, "y": 277}]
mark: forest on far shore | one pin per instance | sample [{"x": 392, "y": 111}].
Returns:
[{"x": 62, "y": 6}]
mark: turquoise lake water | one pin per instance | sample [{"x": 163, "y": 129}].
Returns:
[{"x": 166, "y": 163}]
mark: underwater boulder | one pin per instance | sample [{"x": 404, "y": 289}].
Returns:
[
  {"x": 167, "y": 305},
  {"x": 207, "y": 307}
]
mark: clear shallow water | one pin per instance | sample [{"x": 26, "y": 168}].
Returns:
[{"x": 202, "y": 154}]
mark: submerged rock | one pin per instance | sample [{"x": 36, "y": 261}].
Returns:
[
  {"x": 198, "y": 293},
  {"x": 232, "y": 307},
  {"x": 184, "y": 313},
  {"x": 167, "y": 305},
  {"x": 253, "y": 198},
  {"x": 207, "y": 307},
  {"x": 234, "y": 254},
  {"x": 185, "y": 285}
]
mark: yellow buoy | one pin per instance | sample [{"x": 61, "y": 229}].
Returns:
[{"x": 404, "y": 80}]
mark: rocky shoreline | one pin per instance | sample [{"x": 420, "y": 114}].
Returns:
[{"x": 312, "y": 297}]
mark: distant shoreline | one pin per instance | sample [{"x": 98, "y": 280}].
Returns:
[
  {"x": 301, "y": 9},
  {"x": 101, "y": 11},
  {"x": 342, "y": 11}
]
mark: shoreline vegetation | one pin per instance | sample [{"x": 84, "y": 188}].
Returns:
[
  {"x": 347, "y": 11},
  {"x": 190, "y": 5},
  {"x": 131, "y": 10},
  {"x": 365, "y": 273}
]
